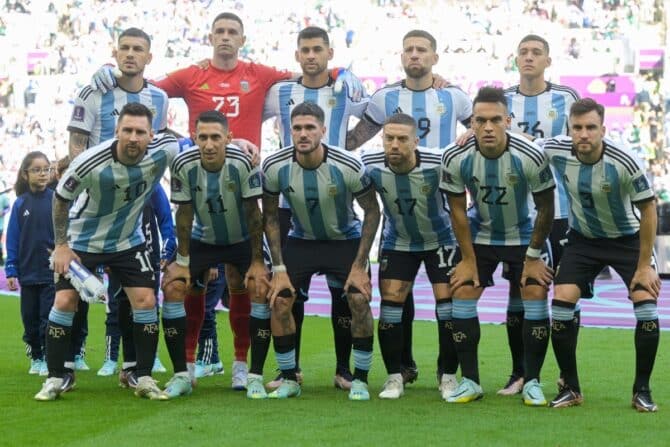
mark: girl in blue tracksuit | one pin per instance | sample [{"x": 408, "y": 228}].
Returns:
[{"x": 30, "y": 237}]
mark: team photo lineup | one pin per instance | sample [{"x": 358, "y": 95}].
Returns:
[{"x": 417, "y": 174}]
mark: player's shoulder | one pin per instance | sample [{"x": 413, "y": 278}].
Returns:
[
  {"x": 87, "y": 95},
  {"x": 164, "y": 141},
  {"x": 522, "y": 147},
  {"x": 511, "y": 90},
  {"x": 93, "y": 158},
  {"x": 186, "y": 159},
  {"x": 238, "y": 157},
  {"x": 373, "y": 158},
  {"x": 455, "y": 152},
  {"x": 344, "y": 158},
  {"x": 453, "y": 89},
  {"x": 278, "y": 158},
  {"x": 388, "y": 88},
  {"x": 430, "y": 157},
  {"x": 563, "y": 89},
  {"x": 561, "y": 143},
  {"x": 621, "y": 156},
  {"x": 155, "y": 90}
]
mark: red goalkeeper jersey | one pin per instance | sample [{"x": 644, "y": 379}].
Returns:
[{"x": 239, "y": 94}]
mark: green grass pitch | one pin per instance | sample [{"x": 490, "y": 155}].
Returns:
[{"x": 99, "y": 413}]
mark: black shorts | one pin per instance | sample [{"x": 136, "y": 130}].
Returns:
[
  {"x": 404, "y": 265},
  {"x": 204, "y": 256},
  {"x": 305, "y": 258},
  {"x": 512, "y": 257},
  {"x": 558, "y": 238},
  {"x": 584, "y": 258},
  {"x": 132, "y": 267}
]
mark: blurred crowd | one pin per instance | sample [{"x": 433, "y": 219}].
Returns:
[{"x": 51, "y": 48}]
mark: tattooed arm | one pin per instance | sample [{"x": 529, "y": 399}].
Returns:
[
  {"x": 363, "y": 131},
  {"x": 280, "y": 278},
  {"x": 77, "y": 144},
  {"x": 535, "y": 267},
  {"x": 62, "y": 254},
  {"x": 358, "y": 276}
]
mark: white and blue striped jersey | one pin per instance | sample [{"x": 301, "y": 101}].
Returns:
[
  {"x": 217, "y": 197},
  {"x": 415, "y": 209},
  {"x": 543, "y": 116},
  {"x": 110, "y": 196},
  {"x": 96, "y": 114},
  {"x": 436, "y": 111},
  {"x": 602, "y": 194},
  {"x": 499, "y": 187},
  {"x": 338, "y": 108},
  {"x": 321, "y": 199}
]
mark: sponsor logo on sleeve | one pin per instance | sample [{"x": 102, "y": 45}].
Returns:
[
  {"x": 255, "y": 181},
  {"x": 71, "y": 184},
  {"x": 641, "y": 184},
  {"x": 78, "y": 113}
]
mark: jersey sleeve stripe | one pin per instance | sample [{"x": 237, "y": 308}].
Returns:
[
  {"x": 90, "y": 164},
  {"x": 529, "y": 152},
  {"x": 625, "y": 159},
  {"x": 85, "y": 93},
  {"x": 183, "y": 159},
  {"x": 277, "y": 157}
]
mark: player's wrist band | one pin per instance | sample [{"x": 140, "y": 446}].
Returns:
[
  {"x": 281, "y": 268},
  {"x": 184, "y": 261},
  {"x": 533, "y": 252}
]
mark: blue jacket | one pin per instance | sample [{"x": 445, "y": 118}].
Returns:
[{"x": 30, "y": 236}]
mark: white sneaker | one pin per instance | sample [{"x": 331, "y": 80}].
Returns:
[
  {"x": 448, "y": 385},
  {"x": 393, "y": 387},
  {"x": 148, "y": 387},
  {"x": 240, "y": 372},
  {"x": 51, "y": 389}
]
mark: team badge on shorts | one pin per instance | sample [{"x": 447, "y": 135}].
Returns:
[
  {"x": 244, "y": 85},
  {"x": 384, "y": 264}
]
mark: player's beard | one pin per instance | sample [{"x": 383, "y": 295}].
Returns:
[{"x": 416, "y": 72}]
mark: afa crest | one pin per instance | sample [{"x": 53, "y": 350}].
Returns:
[
  {"x": 231, "y": 186},
  {"x": 552, "y": 114},
  {"x": 512, "y": 178},
  {"x": 425, "y": 189}
]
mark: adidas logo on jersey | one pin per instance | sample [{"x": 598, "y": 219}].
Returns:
[
  {"x": 26, "y": 213},
  {"x": 290, "y": 102},
  {"x": 204, "y": 86},
  {"x": 398, "y": 110}
]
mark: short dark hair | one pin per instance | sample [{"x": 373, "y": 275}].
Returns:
[
  {"x": 313, "y": 32},
  {"x": 309, "y": 109},
  {"x": 228, "y": 16},
  {"x": 401, "y": 118},
  {"x": 424, "y": 34},
  {"x": 136, "y": 109},
  {"x": 135, "y": 32},
  {"x": 586, "y": 105},
  {"x": 490, "y": 94},
  {"x": 535, "y": 38},
  {"x": 212, "y": 116}
]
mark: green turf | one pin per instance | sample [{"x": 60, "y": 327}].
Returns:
[{"x": 99, "y": 413}]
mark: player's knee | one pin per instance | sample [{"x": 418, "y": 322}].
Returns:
[
  {"x": 357, "y": 302},
  {"x": 533, "y": 291},
  {"x": 175, "y": 290}
]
